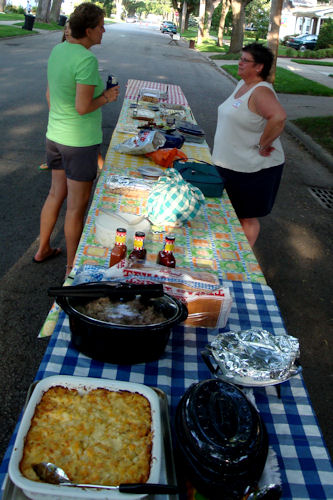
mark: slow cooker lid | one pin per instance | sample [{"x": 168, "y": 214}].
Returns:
[
  {"x": 165, "y": 304},
  {"x": 220, "y": 424}
]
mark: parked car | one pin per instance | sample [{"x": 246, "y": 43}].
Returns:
[
  {"x": 168, "y": 27},
  {"x": 131, "y": 19},
  {"x": 303, "y": 42}
]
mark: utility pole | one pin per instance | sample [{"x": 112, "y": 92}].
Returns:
[{"x": 273, "y": 33}]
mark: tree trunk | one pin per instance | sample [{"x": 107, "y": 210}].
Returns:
[
  {"x": 201, "y": 26},
  {"x": 273, "y": 34},
  {"x": 55, "y": 11},
  {"x": 183, "y": 18},
  {"x": 2, "y": 5},
  {"x": 210, "y": 7},
  {"x": 43, "y": 11},
  {"x": 238, "y": 23},
  {"x": 224, "y": 12},
  {"x": 186, "y": 19}
]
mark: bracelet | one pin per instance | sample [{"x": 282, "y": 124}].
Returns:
[
  {"x": 107, "y": 100},
  {"x": 260, "y": 147}
]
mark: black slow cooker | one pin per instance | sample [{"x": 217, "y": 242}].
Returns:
[
  {"x": 221, "y": 440},
  {"x": 120, "y": 343}
]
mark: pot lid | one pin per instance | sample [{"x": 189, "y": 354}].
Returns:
[
  {"x": 220, "y": 424},
  {"x": 137, "y": 306}
]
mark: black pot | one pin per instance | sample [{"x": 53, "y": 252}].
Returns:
[
  {"x": 123, "y": 344},
  {"x": 221, "y": 439}
]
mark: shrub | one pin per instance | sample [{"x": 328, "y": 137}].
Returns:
[
  {"x": 325, "y": 37},
  {"x": 290, "y": 52},
  {"x": 14, "y": 10}
]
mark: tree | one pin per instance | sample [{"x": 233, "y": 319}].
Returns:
[
  {"x": 225, "y": 6},
  {"x": 325, "y": 37},
  {"x": 131, "y": 6},
  {"x": 43, "y": 11},
  {"x": 273, "y": 34},
  {"x": 210, "y": 7},
  {"x": 191, "y": 7},
  {"x": 201, "y": 27},
  {"x": 2, "y": 5},
  {"x": 55, "y": 10},
  {"x": 238, "y": 23},
  {"x": 257, "y": 15}
]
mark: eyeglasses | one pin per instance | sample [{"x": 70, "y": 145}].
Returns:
[{"x": 244, "y": 60}]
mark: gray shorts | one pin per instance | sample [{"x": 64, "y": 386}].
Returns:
[{"x": 79, "y": 163}]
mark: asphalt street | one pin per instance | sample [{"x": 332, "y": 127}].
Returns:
[{"x": 294, "y": 249}]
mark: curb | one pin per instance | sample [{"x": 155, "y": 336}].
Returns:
[
  {"x": 311, "y": 146},
  {"x": 315, "y": 149}
]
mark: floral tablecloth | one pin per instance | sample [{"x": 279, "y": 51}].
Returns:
[{"x": 214, "y": 241}]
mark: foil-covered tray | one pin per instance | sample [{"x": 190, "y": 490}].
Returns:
[{"x": 253, "y": 357}]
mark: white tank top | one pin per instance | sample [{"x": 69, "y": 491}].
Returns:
[{"x": 238, "y": 133}]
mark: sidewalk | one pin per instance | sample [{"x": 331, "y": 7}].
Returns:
[{"x": 299, "y": 106}]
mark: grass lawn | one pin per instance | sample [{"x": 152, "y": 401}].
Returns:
[
  {"x": 11, "y": 31},
  {"x": 44, "y": 26},
  {"x": 287, "y": 82},
  {"x": 319, "y": 128},
  {"x": 312, "y": 62},
  {"x": 11, "y": 17}
]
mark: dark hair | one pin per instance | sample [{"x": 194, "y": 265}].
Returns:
[
  {"x": 261, "y": 55},
  {"x": 86, "y": 15}
]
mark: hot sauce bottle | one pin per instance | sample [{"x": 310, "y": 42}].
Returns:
[
  {"x": 165, "y": 257},
  {"x": 138, "y": 252},
  {"x": 119, "y": 250}
]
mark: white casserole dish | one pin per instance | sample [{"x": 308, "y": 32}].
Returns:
[{"x": 44, "y": 491}]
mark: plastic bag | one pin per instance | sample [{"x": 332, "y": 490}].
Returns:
[
  {"x": 207, "y": 302},
  {"x": 166, "y": 157},
  {"x": 146, "y": 141}
]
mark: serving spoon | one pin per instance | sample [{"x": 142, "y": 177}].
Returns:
[{"x": 50, "y": 473}]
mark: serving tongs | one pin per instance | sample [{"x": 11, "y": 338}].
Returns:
[{"x": 108, "y": 289}]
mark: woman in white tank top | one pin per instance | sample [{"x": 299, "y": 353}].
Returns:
[{"x": 247, "y": 147}]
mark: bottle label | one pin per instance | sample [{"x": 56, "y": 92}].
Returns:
[
  {"x": 138, "y": 243},
  {"x": 169, "y": 246},
  {"x": 120, "y": 238}
]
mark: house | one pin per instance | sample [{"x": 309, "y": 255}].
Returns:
[{"x": 300, "y": 17}]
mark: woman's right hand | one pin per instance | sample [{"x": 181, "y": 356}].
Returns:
[{"x": 112, "y": 93}]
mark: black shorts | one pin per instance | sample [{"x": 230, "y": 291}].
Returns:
[
  {"x": 79, "y": 163},
  {"x": 252, "y": 194}
]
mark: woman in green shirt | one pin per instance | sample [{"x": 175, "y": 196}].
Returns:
[{"x": 75, "y": 95}]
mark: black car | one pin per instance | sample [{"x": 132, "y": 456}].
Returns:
[
  {"x": 303, "y": 42},
  {"x": 168, "y": 27}
]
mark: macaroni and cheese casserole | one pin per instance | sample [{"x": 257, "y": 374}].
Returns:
[{"x": 97, "y": 437}]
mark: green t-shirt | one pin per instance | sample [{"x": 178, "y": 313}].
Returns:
[{"x": 68, "y": 65}]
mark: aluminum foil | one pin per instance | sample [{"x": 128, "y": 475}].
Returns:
[
  {"x": 122, "y": 182},
  {"x": 256, "y": 356}
]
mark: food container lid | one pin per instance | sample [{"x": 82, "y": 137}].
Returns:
[
  {"x": 221, "y": 426},
  {"x": 124, "y": 313}
]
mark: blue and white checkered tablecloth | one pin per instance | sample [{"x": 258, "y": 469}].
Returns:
[{"x": 306, "y": 470}]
